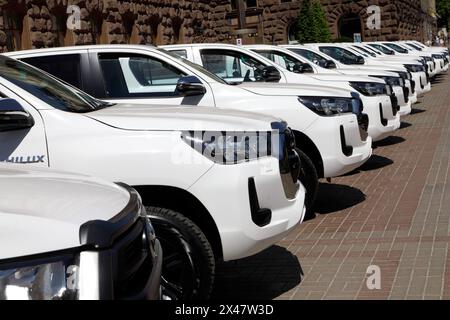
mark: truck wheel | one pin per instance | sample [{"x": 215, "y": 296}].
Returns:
[
  {"x": 188, "y": 260},
  {"x": 310, "y": 180}
]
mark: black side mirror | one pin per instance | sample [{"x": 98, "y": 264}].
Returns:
[
  {"x": 270, "y": 74},
  {"x": 360, "y": 60},
  {"x": 13, "y": 116},
  {"x": 190, "y": 86},
  {"x": 329, "y": 64},
  {"x": 303, "y": 68}
]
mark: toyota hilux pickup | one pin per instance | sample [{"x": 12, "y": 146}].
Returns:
[
  {"x": 292, "y": 62},
  {"x": 331, "y": 141},
  {"x": 73, "y": 237},
  {"x": 229, "y": 179},
  {"x": 236, "y": 64},
  {"x": 344, "y": 58}
]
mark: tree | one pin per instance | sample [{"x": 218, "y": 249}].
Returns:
[
  {"x": 312, "y": 23},
  {"x": 443, "y": 9},
  {"x": 320, "y": 20}
]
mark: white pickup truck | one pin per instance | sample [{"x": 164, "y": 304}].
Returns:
[
  {"x": 229, "y": 178},
  {"x": 72, "y": 237},
  {"x": 331, "y": 142}
]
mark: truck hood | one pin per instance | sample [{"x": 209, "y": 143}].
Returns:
[
  {"x": 180, "y": 118},
  {"x": 344, "y": 78},
  {"x": 390, "y": 67},
  {"x": 41, "y": 210},
  {"x": 291, "y": 89},
  {"x": 368, "y": 72}
]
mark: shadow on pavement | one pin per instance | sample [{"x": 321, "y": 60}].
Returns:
[
  {"x": 437, "y": 79},
  {"x": 392, "y": 140},
  {"x": 264, "y": 276},
  {"x": 374, "y": 163},
  {"x": 333, "y": 198},
  {"x": 417, "y": 111}
]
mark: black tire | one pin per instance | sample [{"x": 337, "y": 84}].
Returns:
[
  {"x": 310, "y": 180},
  {"x": 188, "y": 260}
]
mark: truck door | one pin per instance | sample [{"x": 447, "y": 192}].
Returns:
[
  {"x": 23, "y": 146},
  {"x": 143, "y": 79}
]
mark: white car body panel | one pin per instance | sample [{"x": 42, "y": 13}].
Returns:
[{"x": 57, "y": 204}]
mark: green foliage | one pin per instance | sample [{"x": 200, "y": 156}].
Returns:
[
  {"x": 443, "y": 9},
  {"x": 312, "y": 23}
]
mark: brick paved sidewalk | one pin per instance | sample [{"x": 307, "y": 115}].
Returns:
[{"x": 394, "y": 213}]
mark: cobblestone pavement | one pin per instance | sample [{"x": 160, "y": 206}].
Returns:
[{"x": 394, "y": 212}]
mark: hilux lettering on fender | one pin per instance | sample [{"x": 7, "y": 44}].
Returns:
[{"x": 25, "y": 159}]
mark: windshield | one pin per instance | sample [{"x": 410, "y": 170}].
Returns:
[
  {"x": 413, "y": 46},
  {"x": 365, "y": 50},
  {"x": 371, "y": 49},
  {"x": 396, "y": 47},
  {"x": 310, "y": 55},
  {"x": 194, "y": 66},
  {"x": 288, "y": 62},
  {"x": 342, "y": 55},
  {"x": 382, "y": 48},
  {"x": 47, "y": 88}
]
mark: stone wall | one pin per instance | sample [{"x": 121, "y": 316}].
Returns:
[{"x": 42, "y": 23}]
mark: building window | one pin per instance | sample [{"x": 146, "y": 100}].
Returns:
[
  {"x": 251, "y": 3},
  {"x": 60, "y": 29},
  {"x": 13, "y": 24}
]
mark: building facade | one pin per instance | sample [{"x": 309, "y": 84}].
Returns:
[{"x": 28, "y": 24}]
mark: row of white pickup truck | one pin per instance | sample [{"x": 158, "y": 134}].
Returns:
[{"x": 223, "y": 147}]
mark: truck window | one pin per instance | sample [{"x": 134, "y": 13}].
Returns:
[
  {"x": 231, "y": 66},
  {"x": 180, "y": 53},
  {"x": 342, "y": 55},
  {"x": 63, "y": 66},
  {"x": 127, "y": 76}
]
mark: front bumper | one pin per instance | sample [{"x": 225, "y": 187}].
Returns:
[
  {"x": 326, "y": 135},
  {"x": 403, "y": 100},
  {"x": 230, "y": 205},
  {"x": 382, "y": 121},
  {"x": 423, "y": 84}
]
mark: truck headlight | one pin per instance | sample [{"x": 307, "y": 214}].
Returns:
[
  {"x": 230, "y": 147},
  {"x": 329, "y": 106},
  {"x": 392, "y": 81},
  {"x": 370, "y": 88},
  {"x": 414, "y": 68},
  {"x": 41, "y": 279}
]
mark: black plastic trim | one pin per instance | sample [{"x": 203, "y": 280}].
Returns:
[
  {"x": 384, "y": 121},
  {"x": 260, "y": 216},
  {"x": 346, "y": 149},
  {"x": 101, "y": 234}
]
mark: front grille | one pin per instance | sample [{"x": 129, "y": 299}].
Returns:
[
  {"x": 413, "y": 86},
  {"x": 395, "y": 105},
  {"x": 132, "y": 261}
]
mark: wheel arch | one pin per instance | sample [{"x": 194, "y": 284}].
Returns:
[
  {"x": 187, "y": 204},
  {"x": 305, "y": 144}
]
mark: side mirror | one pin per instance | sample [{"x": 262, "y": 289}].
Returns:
[
  {"x": 13, "y": 116},
  {"x": 360, "y": 60},
  {"x": 303, "y": 68},
  {"x": 270, "y": 74},
  {"x": 329, "y": 64},
  {"x": 190, "y": 86}
]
